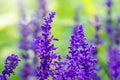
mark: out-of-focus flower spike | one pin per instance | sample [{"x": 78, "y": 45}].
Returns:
[
  {"x": 114, "y": 63},
  {"x": 42, "y": 8},
  {"x": 109, "y": 28},
  {"x": 117, "y": 37},
  {"x": 26, "y": 71},
  {"x": 97, "y": 36}
]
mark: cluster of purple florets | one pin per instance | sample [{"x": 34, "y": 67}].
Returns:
[
  {"x": 45, "y": 49},
  {"x": 11, "y": 63},
  {"x": 78, "y": 64}
]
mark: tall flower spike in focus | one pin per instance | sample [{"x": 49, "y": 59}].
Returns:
[
  {"x": 45, "y": 49},
  {"x": 79, "y": 64},
  {"x": 11, "y": 63},
  {"x": 114, "y": 63},
  {"x": 81, "y": 53}
]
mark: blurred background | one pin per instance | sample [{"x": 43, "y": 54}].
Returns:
[{"x": 62, "y": 25}]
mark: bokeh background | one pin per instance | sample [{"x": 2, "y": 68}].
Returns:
[{"x": 62, "y": 25}]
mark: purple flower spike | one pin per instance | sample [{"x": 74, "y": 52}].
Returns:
[
  {"x": 87, "y": 63},
  {"x": 10, "y": 64},
  {"x": 114, "y": 63},
  {"x": 79, "y": 64},
  {"x": 45, "y": 50}
]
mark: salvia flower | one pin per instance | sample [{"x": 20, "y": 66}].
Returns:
[
  {"x": 45, "y": 49},
  {"x": 114, "y": 63},
  {"x": 79, "y": 47},
  {"x": 79, "y": 64},
  {"x": 11, "y": 63}
]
